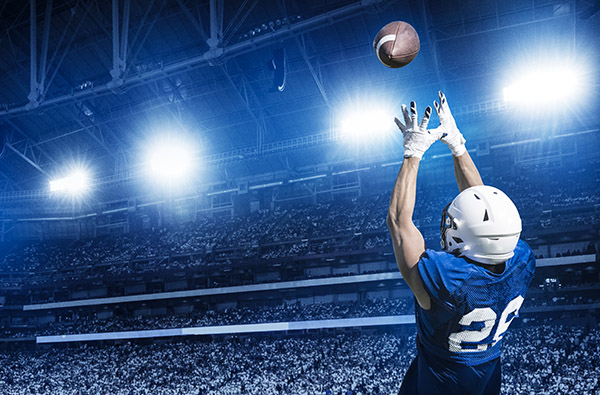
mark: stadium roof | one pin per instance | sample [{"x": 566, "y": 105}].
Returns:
[{"x": 100, "y": 88}]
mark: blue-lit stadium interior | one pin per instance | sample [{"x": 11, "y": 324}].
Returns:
[{"x": 193, "y": 193}]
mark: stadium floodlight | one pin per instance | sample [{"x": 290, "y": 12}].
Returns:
[
  {"x": 76, "y": 183},
  {"x": 367, "y": 124},
  {"x": 170, "y": 159},
  {"x": 544, "y": 85}
]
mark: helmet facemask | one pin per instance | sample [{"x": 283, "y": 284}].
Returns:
[{"x": 447, "y": 224}]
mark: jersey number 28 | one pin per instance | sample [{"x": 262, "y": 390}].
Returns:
[{"x": 487, "y": 316}]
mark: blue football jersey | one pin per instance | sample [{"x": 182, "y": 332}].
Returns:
[{"x": 471, "y": 307}]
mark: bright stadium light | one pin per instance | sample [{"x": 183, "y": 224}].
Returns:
[
  {"x": 170, "y": 159},
  {"x": 365, "y": 124},
  {"x": 76, "y": 183},
  {"x": 544, "y": 85}
]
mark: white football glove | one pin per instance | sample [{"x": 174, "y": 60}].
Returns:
[
  {"x": 448, "y": 129},
  {"x": 417, "y": 139}
]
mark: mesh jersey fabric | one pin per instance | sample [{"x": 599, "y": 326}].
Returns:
[{"x": 471, "y": 307}]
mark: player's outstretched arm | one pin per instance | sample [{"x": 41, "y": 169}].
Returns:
[
  {"x": 407, "y": 241},
  {"x": 465, "y": 171}
]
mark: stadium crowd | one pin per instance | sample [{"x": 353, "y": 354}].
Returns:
[
  {"x": 536, "y": 360},
  {"x": 336, "y": 227},
  {"x": 546, "y": 358}
]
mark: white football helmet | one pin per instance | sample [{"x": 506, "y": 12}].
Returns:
[{"x": 482, "y": 224}]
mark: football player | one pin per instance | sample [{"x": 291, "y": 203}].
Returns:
[{"x": 467, "y": 295}]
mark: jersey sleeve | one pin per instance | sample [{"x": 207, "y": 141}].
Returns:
[
  {"x": 525, "y": 256},
  {"x": 441, "y": 277}
]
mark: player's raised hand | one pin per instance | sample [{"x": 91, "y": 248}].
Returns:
[
  {"x": 417, "y": 139},
  {"x": 448, "y": 129}
]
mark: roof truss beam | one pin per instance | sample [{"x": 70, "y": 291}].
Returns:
[
  {"x": 244, "y": 92},
  {"x": 315, "y": 22},
  {"x": 119, "y": 43},
  {"x": 65, "y": 50},
  {"x": 91, "y": 131},
  {"x": 7, "y": 184},
  {"x": 27, "y": 149},
  {"x": 461, "y": 30},
  {"x": 196, "y": 22},
  {"x": 36, "y": 84},
  {"x": 235, "y": 24},
  {"x": 431, "y": 35},
  {"x": 301, "y": 44},
  {"x": 216, "y": 23},
  {"x": 133, "y": 55}
]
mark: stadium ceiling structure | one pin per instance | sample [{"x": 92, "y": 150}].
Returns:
[{"x": 90, "y": 78}]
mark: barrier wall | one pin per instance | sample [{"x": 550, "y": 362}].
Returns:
[{"x": 233, "y": 329}]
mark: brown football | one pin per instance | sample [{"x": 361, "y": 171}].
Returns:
[{"x": 396, "y": 44}]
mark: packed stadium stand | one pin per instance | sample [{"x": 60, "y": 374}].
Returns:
[
  {"x": 285, "y": 298},
  {"x": 542, "y": 359},
  {"x": 81, "y": 306}
]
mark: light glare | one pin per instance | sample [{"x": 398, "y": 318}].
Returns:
[
  {"x": 170, "y": 160},
  {"x": 76, "y": 183},
  {"x": 366, "y": 125},
  {"x": 545, "y": 86}
]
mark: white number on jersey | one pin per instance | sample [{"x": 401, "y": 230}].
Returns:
[{"x": 487, "y": 316}]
